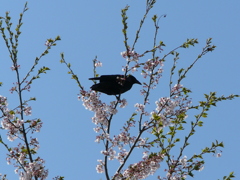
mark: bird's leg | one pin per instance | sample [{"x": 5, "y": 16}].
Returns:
[{"x": 118, "y": 97}]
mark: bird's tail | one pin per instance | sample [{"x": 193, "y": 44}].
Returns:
[{"x": 95, "y": 78}]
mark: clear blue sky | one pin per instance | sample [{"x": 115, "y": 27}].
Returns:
[{"x": 93, "y": 27}]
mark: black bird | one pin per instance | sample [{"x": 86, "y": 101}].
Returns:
[{"x": 114, "y": 84}]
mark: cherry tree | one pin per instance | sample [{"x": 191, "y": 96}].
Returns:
[
  {"x": 16, "y": 121},
  {"x": 158, "y": 121},
  {"x": 152, "y": 129}
]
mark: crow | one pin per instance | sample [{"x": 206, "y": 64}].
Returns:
[{"x": 114, "y": 84}]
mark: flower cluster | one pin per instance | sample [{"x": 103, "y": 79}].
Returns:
[
  {"x": 27, "y": 110},
  {"x": 100, "y": 166},
  {"x": 34, "y": 143},
  {"x": 148, "y": 166},
  {"x": 14, "y": 67},
  {"x": 97, "y": 63},
  {"x": 48, "y": 43},
  {"x": 141, "y": 109},
  {"x": 118, "y": 141},
  {"x": 168, "y": 108},
  {"x": 180, "y": 168},
  {"x": 122, "y": 155},
  {"x": 149, "y": 68},
  {"x": 35, "y": 125},
  {"x": 27, "y": 86},
  {"x": 12, "y": 123},
  {"x": 102, "y": 110},
  {"x": 153, "y": 68},
  {"x": 14, "y": 88},
  {"x": 110, "y": 153},
  {"x": 9, "y": 121},
  {"x": 142, "y": 142},
  {"x": 13, "y": 127},
  {"x": 130, "y": 55},
  {"x": 19, "y": 154},
  {"x": 36, "y": 168},
  {"x": 122, "y": 139},
  {"x": 123, "y": 103}
]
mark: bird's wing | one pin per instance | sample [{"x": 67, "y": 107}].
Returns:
[
  {"x": 109, "y": 88},
  {"x": 110, "y": 78},
  {"x": 107, "y": 78}
]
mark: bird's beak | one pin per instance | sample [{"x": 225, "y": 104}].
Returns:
[{"x": 137, "y": 82}]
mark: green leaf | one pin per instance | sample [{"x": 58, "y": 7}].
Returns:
[
  {"x": 177, "y": 140},
  {"x": 204, "y": 115},
  {"x": 58, "y": 38},
  {"x": 161, "y": 43},
  {"x": 221, "y": 144},
  {"x": 156, "y": 117},
  {"x": 190, "y": 174},
  {"x": 154, "y": 18},
  {"x": 200, "y": 123}
]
